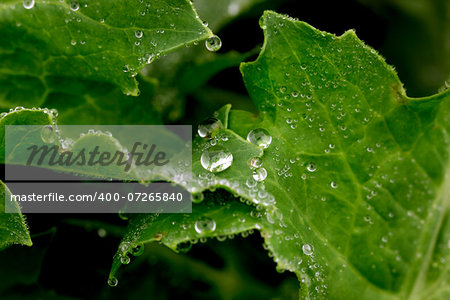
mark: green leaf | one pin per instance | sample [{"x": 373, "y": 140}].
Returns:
[
  {"x": 107, "y": 41},
  {"x": 356, "y": 197},
  {"x": 13, "y": 228}
]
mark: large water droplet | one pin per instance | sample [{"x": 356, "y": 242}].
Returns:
[
  {"x": 208, "y": 127},
  {"x": 184, "y": 247},
  {"x": 213, "y": 43},
  {"x": 260, "y": 174},
  {"x": 112, "y": 281},
  {"x": 307, "y": 249},
  {"x": 48, "y": 134},
  {"x": 205, "y": 225},
  {"x": 216, "y": 159},
  {"x": 259, "y": 137},
  {"x": 28, "y": 4}
]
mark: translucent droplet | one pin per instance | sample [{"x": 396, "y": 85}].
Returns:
[
  {"x": 334, "y": 185},
  {"x": 208, "y": 127},
  {"x": 138, "y": 250},
  {"x": 213, "y": 43},
  {"x": 205, "y": 225},
  {"x": 259, "y": 137},
  {"x": 260, "y": 174},
  {"x": 28, "y": 4},
  {"x": 197, "y": 197},
  {"x": 125, "y": 259},
  {"x": 216, "y": 159},
  {"x": 184, "y": 247},
  {"x": 251, "y": 182},
  {"x": 307, "y": 249},
  {"x": 112, "y": 281},
  {"x": 74, "y": 5},
  {"x": 48, "y": 134},
  {"x": 255, "y": 163},
  {"x": 138, "y": 33},
  {"x": 311, "y": 167}
]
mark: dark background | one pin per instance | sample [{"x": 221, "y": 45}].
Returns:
[{"x": 70, "y": 259}]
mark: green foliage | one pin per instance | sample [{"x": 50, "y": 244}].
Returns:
[
  {"x": 13, "y": 228},
  {"x": 355, "y": 170}
]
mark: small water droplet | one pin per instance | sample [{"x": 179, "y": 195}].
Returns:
[
  {"x": 125, "y": 259},
  {"x": 311, "y": 167},
  {"x": 205, "y": 225},
  {"x": 255, "y": 163},
  {"x": 334, "y": 185},
  {"x": 28, "y": 4},
  {"x": 208, "y": 127},
  {"x": 259, "y": 137},
  {"x": 197, "y": 197},
  {"x": 74, "y": 5},
  {"x": 138, "y": 33},
  {"x": 213, "y": 43},
  {"x": 138, "y": 250},
  {"x": 216, "y": 159},
  {"x": 307, "y": 249},
  {"x": 112, "y": 281},
  {"x": 260, "y": 174},
  {"x": 48, "y": 134}
]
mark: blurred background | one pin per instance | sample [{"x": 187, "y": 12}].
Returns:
[{"x": 72, "y": 254}]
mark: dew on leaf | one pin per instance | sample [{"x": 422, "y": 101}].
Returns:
[
  {"x": 112, "y": 281},
  {"x": 74, "y": 5},
  {"x": 307, "y": 249},
  {"x": 255, "y": 162},
  {"x": 197, "y": 197},
  {"x": 48, "y": 134},
  {"x": 213, "y": 43},
  {"x": 28, "y": 4},
  {"x": 138, "y": 33},
  {"x": 260, "y": 137},
  {"x": 125, "y": 259},
  {"x": 216, "y": 159},
  {"x": 205, "y": 225},
  {"x": 208, "y": 127},
  {"x": 311, "y": 167},
  {"x": 259, "y": 174}
]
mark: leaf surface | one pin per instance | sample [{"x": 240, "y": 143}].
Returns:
[
  {"x": 106, "y": 41},
  {"x": 356, "y": 197}
]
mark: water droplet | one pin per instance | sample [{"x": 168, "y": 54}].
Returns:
[
  {"x": 311, "y": 167},
  {"x": 48, "y": 135},
  {"x": 251, "y": 182},
  {"x": 125, "y": 259},
  {"x": 138, "y": 250},
  {"x": 197, "y": 197},
  {"x": 255, "y": 163},
  {"x": 216, "y": 159},
  {"x": 28, "y": 4},
  {"x": 259, "y": 137},
  {"x": 184, "y": 247},
  {"x": 74, "y": 5},
  {"x": 205, "y": 225},
  {"x": 138, "y": 33},
  {"x": 112, "y": 281},
  {"x": 208, "y": 127},
  {"x": 334, "y": 185},
  {"x": 307, "y": 249},
  {"x": 260, "y": 174},
  {"x": 213, "y": 43}
]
